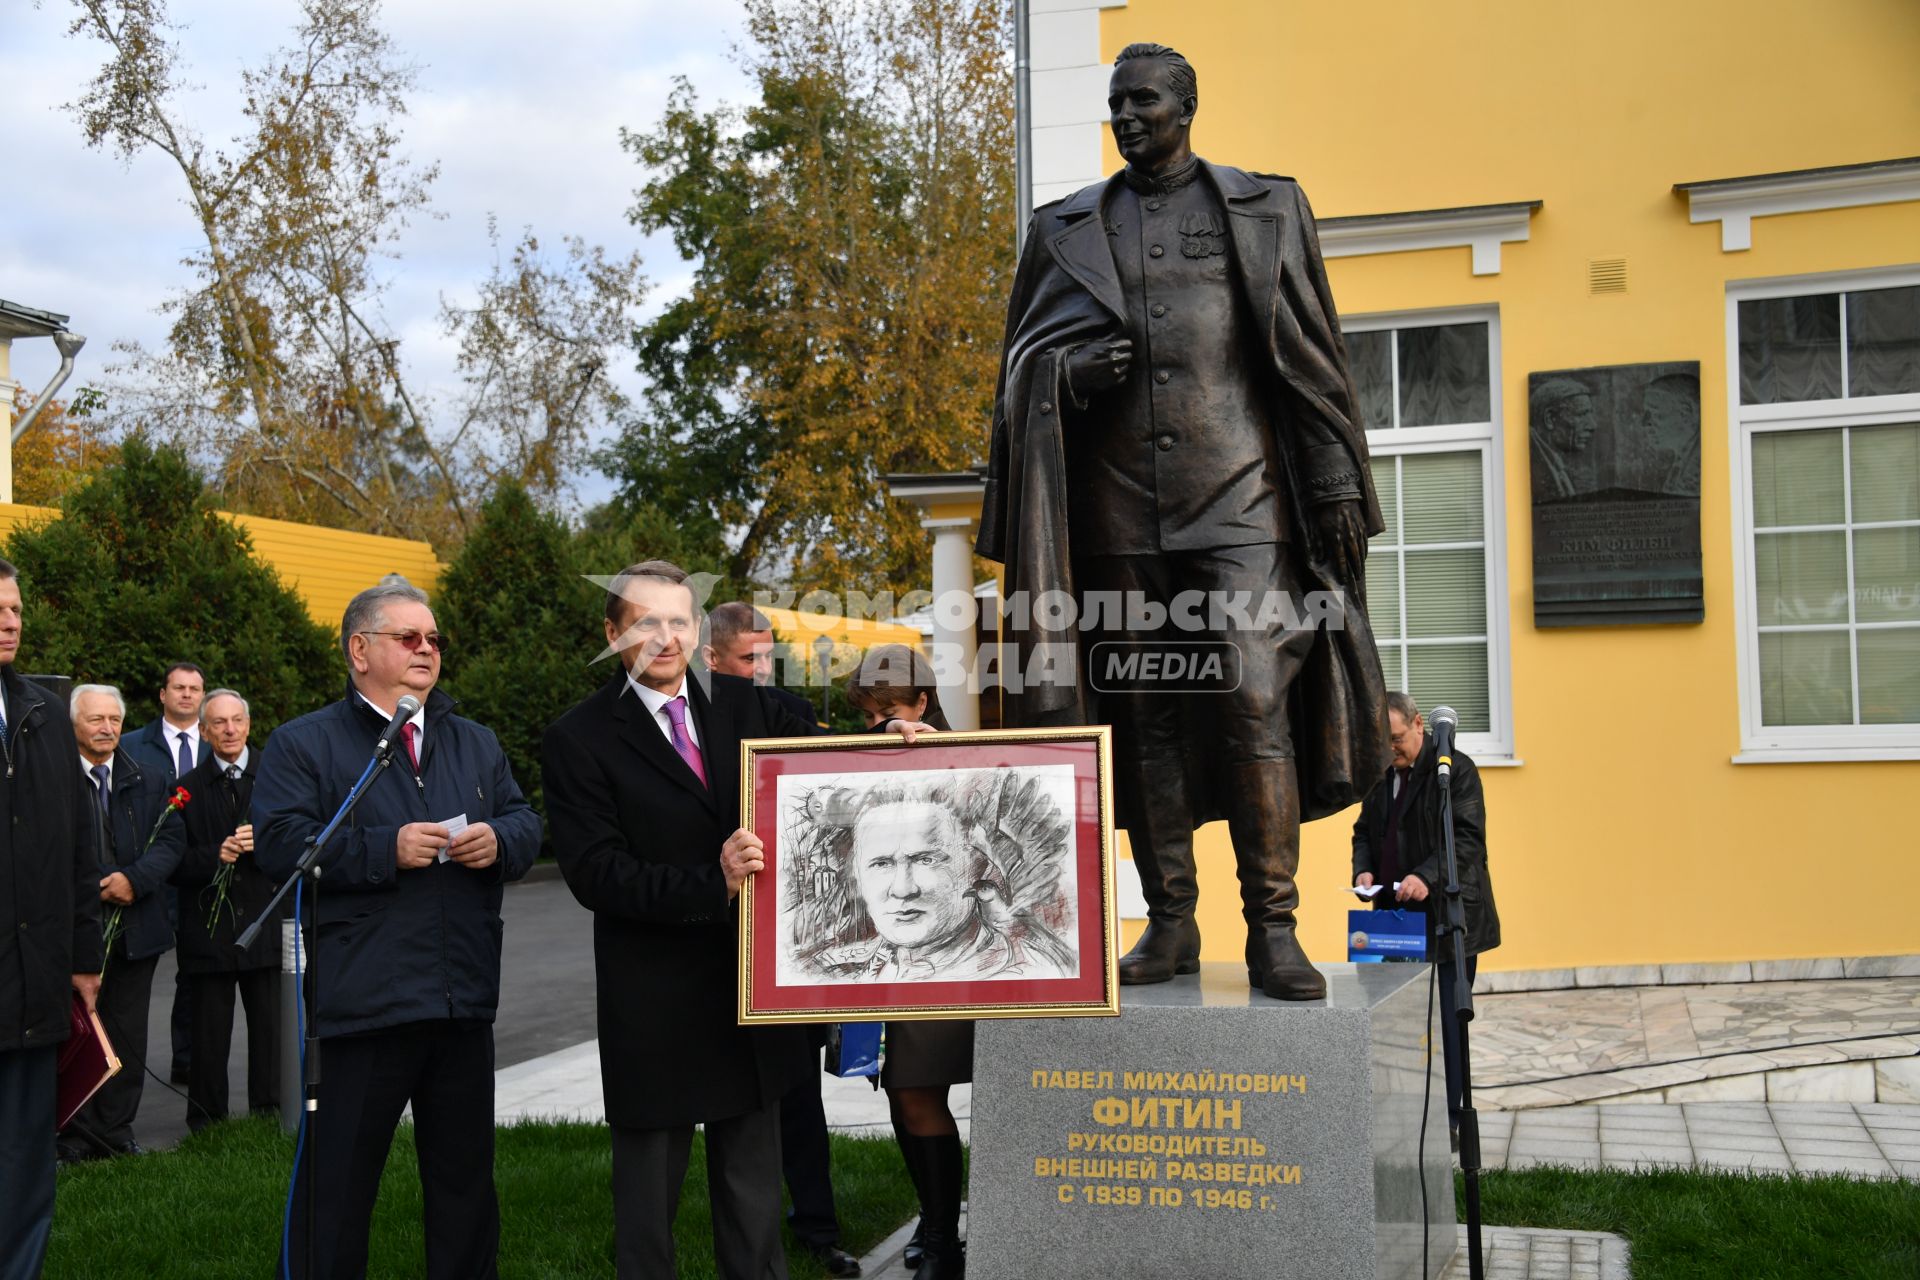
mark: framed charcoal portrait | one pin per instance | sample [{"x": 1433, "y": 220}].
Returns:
[{"x": 968, "y": 875}]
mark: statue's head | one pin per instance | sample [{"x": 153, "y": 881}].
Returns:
[{"x": 1151, "y": 101}]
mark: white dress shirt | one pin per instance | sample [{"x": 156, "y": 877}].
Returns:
[
  {"x": 419, "y": 720},
  {"x": 173, "y": 733},
  {"x": 87, "y": 767},
  {"x": 656, "y": 705}
]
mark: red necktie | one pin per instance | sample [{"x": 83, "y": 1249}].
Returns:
[{"x": 413, "y": 752}]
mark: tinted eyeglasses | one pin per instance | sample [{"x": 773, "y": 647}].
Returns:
[{"x": 412, "y": 640}]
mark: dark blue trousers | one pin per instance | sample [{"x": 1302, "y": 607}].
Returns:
[{"x": 26, "y": 1160}]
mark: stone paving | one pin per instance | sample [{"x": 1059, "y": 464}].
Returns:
[
  {"x": 1848, "y": 1040},
  {"x": 1869, "y": 1140},
  {"x": 566, "y": 1086},
  {"x": 1530, "y": 1253}
]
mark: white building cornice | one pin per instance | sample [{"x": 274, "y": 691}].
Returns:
[
  {"x": 1735, "y": 202},
  {"x": 1483, "y": 228}
]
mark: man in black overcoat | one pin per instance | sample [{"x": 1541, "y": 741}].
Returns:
[
  {"x": 1175, "y": 416},
  {"x": 643, "y": 797},
  {"x": 49, "y": 935},
  {"x": 1398, "y": 845},
  {"x": 219, "y": 833}
]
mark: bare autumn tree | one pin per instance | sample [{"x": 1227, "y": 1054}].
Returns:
[
  {"x": 66, "y": 445},
  {"x": 853, "y": 235},
  {"x": 279, "y": 368}
]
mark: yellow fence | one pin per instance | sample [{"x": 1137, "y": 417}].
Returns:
[
  {"x": 803, "y": 629},
  {"x": 325, "y": 566}
]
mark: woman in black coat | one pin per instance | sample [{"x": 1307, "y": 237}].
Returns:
[{"x": 924, "y": 1059}]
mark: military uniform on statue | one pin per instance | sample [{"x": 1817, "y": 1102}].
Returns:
[{"x": 1175, "y": 415}]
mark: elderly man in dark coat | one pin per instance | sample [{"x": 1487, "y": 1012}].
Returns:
[
  {"x": 404, "y": 936},
  {"x": 215, "y": 906},
  {"x": 1174, "y": 364},
  {"x": 138, "y": 839}
]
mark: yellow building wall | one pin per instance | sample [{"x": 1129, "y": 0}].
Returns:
[
  {"x": 327, "y": 567},
  {"x": 1626, "y": 836}
]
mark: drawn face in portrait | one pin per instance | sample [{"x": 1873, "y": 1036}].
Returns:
[
  {"x": 911, "y": 863},
  {"x": 927, "y": 875}
]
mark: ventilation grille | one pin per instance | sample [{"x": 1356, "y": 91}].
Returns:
[{"x": 1607, "y": 275}]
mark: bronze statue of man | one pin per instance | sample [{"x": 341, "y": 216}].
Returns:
[{"x": 1174, "y": 416}]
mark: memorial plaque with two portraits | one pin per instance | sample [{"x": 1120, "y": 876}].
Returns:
[{"x": 1616, "y": 494}]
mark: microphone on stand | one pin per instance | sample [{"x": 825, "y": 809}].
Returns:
[
  {"x": 1445, "y": 721},
  {"x": 1453, "y": 935},
  {"x": 407, "y": 708}
]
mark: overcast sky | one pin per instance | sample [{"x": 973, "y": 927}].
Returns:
[{"x": 520, "y": 103}]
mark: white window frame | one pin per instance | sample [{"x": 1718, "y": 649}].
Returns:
[
  {"x": 1782, "y": 744},
  {"x": 1495, "y": 747}
]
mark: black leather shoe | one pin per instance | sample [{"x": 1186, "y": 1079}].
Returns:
[
  {"x": 129, "y": 1148},
  {"x": 837, "y": 1261},
  {"x": 916, "y": 1249}
]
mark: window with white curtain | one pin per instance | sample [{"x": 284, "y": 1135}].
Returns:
[
  {"x": 1436, "y": 596},
  {"x": 1825, "y": 387}
]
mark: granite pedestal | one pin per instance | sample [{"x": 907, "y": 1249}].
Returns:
[{"x": 1210, "y": 1131}]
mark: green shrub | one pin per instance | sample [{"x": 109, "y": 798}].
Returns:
[
  {"x": 141, "y": 572},
  {"x": 522, "y": 626}
]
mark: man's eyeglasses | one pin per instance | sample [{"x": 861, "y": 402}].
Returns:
[{"x": 412, "y": 640}]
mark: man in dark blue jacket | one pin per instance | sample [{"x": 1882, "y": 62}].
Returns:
[
  {"x": 137, "y": 842},
  {"x": 406, "y": 951}
]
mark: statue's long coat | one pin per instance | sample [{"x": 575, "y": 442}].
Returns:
[{"x": 1067, "y": 292}]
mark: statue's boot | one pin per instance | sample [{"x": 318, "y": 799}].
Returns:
[
  {"x": 1265, "y": 822},
  {"x": 1162, "y": 839}
]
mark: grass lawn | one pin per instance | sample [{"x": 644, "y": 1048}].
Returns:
[
  {"x": 211, "y": 1208},
  {"x": 1706, "y": 1226}
]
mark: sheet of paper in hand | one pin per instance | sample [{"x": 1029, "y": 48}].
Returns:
[{"x": 454, "y": 825}]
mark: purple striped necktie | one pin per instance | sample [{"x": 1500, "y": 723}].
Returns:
[{"x": 682, "y": 741}]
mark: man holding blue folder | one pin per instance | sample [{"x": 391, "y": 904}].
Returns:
[{"x": 1397, "y": 841}]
